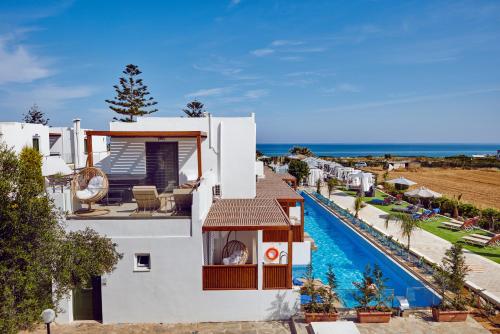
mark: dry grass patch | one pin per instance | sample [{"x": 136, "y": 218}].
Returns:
[{"x": 480, "y": 187}]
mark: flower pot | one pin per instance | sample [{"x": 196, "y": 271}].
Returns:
[
  {"x": 315, "y": 317},
  {"x": 367, "y": 316},
  {"x": 449, "y": 316}
]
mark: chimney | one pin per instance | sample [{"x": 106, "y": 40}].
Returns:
[{"x": 76, "y": 142}]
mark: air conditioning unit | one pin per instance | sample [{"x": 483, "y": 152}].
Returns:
[{"x": 216, "y": 191}]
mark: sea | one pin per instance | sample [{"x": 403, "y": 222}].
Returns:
[{"x": 375, "y": 150}]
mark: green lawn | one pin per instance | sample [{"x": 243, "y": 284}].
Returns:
[{"x": 492, "y": 253}]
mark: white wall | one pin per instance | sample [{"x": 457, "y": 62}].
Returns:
[
  {"x": 228, "y": 150},
  {"x": 301, "y": 252},
  {"x": 64, "y": 145},
  {"x": 172, "y": 291},
  {"x": 18, "y": 135}
]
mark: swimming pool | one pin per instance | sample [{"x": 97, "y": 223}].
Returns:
[{"x": 349, "y": 253}]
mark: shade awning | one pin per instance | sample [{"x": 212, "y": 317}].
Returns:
[
  {"x": 246, "y": 214},
  {"x": 423, "y": 192},
  {"x": 402, "y": 180}
]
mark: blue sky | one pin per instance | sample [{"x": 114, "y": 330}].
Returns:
[{"x": 312, "y": 71}]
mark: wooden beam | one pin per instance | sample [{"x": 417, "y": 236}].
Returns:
[
  {"x": 90, "y": 157},
  {"x": 245, "y": 228},
  {"x": 143, "y": 134},
  {"x": 198, "y": 152},
  {"x": 289, "y": 282},
  {"x": 302, "y": 221}
]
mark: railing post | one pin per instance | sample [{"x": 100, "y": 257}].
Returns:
[{"x": 260, "y": 260}]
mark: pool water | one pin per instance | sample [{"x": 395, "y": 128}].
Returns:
[{"x": 349, "y": 253}]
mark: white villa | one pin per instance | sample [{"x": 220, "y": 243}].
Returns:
[
  {"x": 62, "y": 148},
  {"x": 206, "y": 232}
]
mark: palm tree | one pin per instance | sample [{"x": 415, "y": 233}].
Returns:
[
  {"x": 358, "y": 205},
  {"x": 455, "y": 202},
  {"x": 407, "y": 223},
  {"x": 318, "y": 186},
  {"x": 332, "y": 183}
]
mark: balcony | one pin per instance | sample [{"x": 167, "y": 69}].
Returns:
[
  {"x": 149, "y": 174},
  {"x": 275, "y": 276},
  {"x": 233, "y": 277}
]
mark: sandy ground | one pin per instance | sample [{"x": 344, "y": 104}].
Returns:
[{"x": 479, "y": 186}]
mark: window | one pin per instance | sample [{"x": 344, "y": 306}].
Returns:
[
  {"x": 142, "y": 262},
  {"x": 36, "y": 143}
]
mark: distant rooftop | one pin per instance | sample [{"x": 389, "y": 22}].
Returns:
[{"x": 274, "y": 186}]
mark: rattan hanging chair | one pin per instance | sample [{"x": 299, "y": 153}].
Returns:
[
  {"x": 90, "y": 185},
  {"x": 233, "y": 247}
]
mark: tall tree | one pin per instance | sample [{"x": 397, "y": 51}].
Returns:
[
  {"x": 35, "y": 115},
  {"x": 301, "y": 150},
  {"x": 39, "y": 261},
  {"x": 132, "y": 96},
  {"x": 195, "y": 109},
  {"x": 299, "y": 169}
]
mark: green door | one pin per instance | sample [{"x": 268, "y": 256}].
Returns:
[{"x": 87, "y": 301}]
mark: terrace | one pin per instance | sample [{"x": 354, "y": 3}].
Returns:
[
  {"x": 233, "y": 246},
  {"x": 150, "y": 174}
]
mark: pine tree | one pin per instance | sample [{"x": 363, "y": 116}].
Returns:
[
  {"x": 131, "y": 96},
  {"x": 35, "y": 116},
  {"x": 195, "y": 109}
]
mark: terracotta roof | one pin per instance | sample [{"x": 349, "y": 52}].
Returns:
[
  {"x": 246, "y": 214},
  {"x": 288, "y": 176},
  {"x": 273, "y": 186}
]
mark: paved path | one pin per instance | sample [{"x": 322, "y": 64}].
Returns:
[
  {"x": 415, "y": 324},
  {"x": 486, "y": 273}
]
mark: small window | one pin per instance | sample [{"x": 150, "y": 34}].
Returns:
[
  {"x": 142, "y": 262},
  {"x": 36, "y": 143}
]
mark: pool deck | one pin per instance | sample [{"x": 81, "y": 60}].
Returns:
[{"x": 485, "y": 274}]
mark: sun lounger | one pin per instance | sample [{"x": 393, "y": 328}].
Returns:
[
  {"x": 146, "y": 197},
  {"x": 468, "y": 225},
  {"x": 334, "y": 327},
  {"x": 481, "y": 240}
]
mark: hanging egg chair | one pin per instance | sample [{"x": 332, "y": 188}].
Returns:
[
  {"x": 89, "y": 185},
  {"x": 235, "y": 251}
]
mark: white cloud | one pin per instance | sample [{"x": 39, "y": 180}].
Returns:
[
  {"x": 292, "y": 58},
  {"x": 256, "y": 93},
  {"x": 18, "y": 65},
  {"x": 262, "y": 52},
  {"x": 343, "y": 88},
  {"x": 284, "y": 42},
  {"x": 308, "y": 50},
  {"x": 208, "y": 92},
  {"x": 47, "y": 96},
  {"x": 414, "y": 99}
]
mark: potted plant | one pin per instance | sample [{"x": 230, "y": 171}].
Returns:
[
  {"x": 372, "y": 298},
  {"x": 321, "y": 298},
  {"x": 450, "y": 277}
]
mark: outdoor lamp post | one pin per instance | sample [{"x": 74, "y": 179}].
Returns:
[{"x": 48, "y": 316}]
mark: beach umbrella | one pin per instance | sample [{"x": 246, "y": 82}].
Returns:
[
  {"x": 402, "y": 181},
  {"x": 422, "y": 192}
]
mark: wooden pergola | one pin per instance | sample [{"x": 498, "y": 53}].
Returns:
[
  {"x": 248, "y": 215},
  {"x": 198, "y": 135}
]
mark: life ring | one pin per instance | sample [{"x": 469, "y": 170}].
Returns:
[{"x": 272, "y": 253}]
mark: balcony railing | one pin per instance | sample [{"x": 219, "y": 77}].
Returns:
[
  {"x": 237, "y": 277},
  {"x": 282, "y": 235},
  {"x": 276, "y": 276}
]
